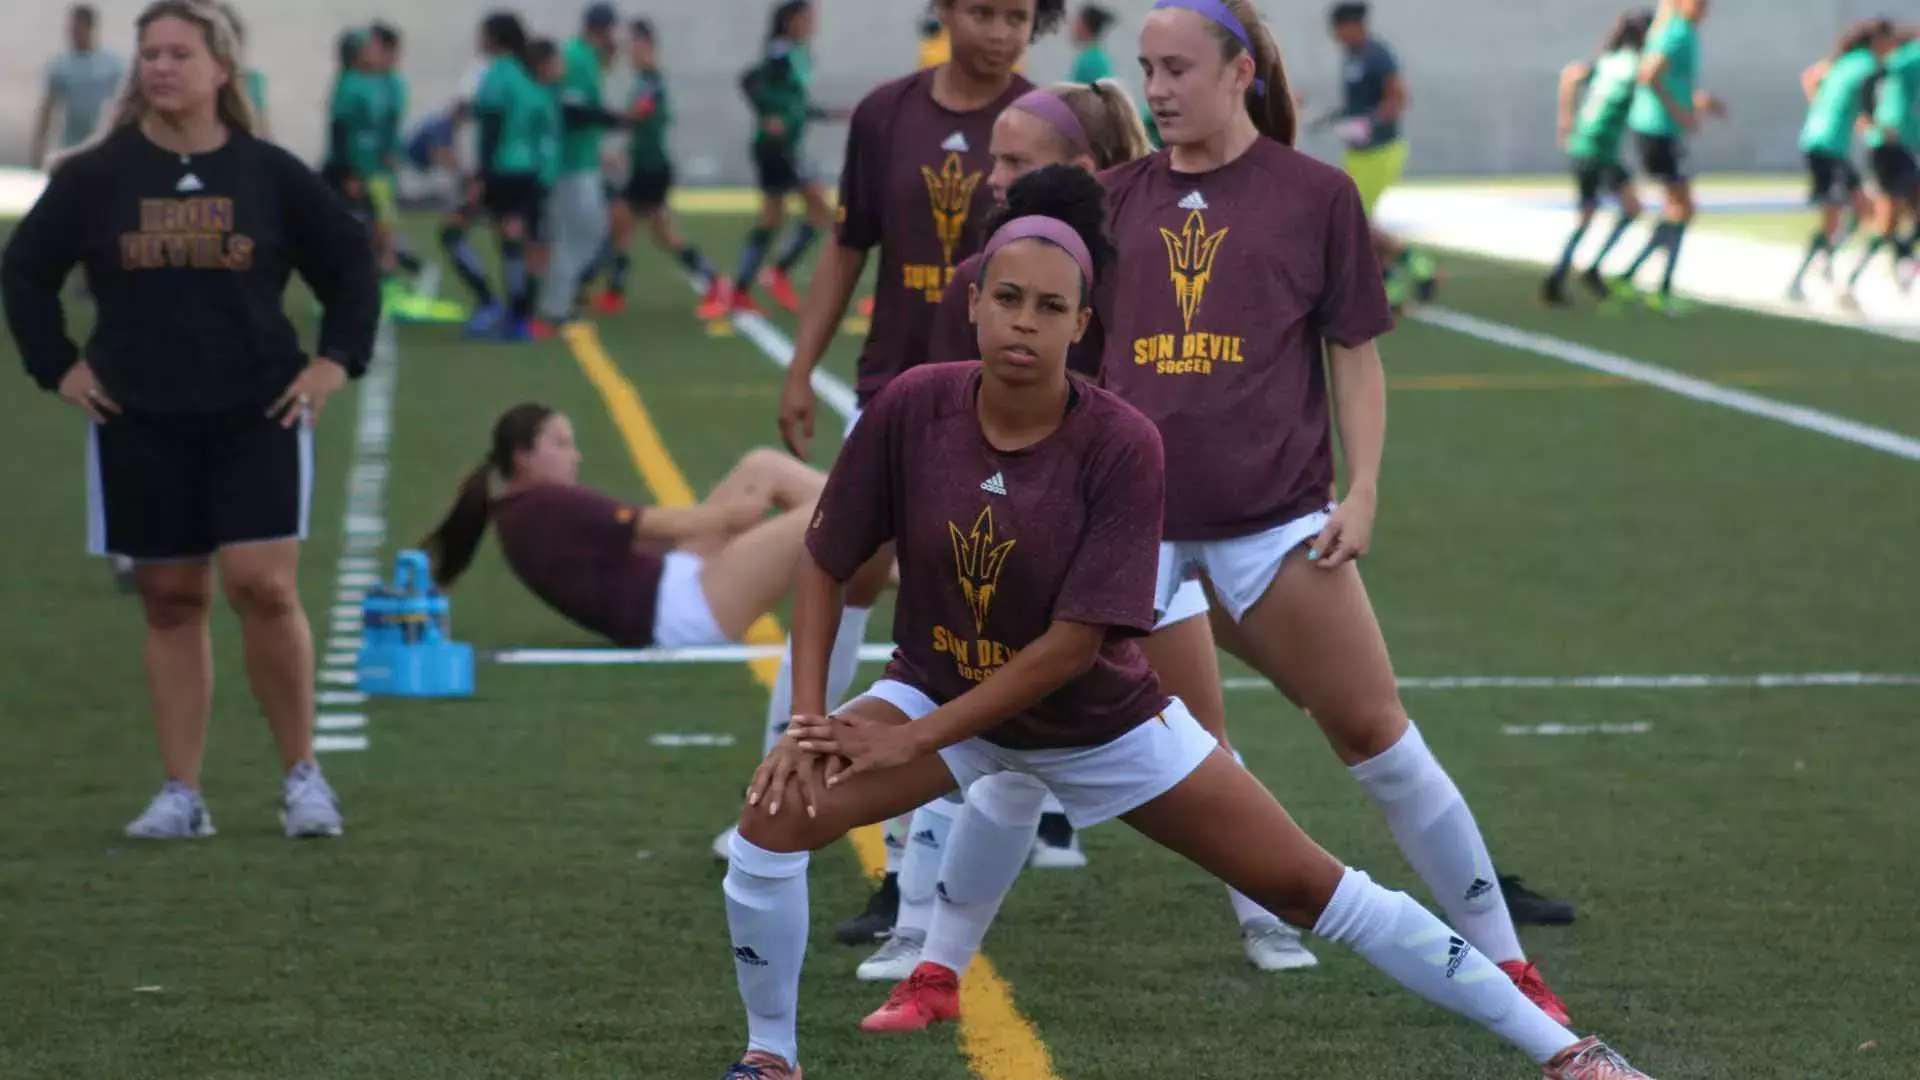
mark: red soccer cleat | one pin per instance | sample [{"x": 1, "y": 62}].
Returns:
[
  {"x": 780, "y": 287},
  {"x": 743, "y": 303},
  {"x": 541, "y": 330},
  {"x": 1527, "y": 977},
  {"x": 610, "y": 303},
  {"x": 717, "y": 302},
  {"x": 866, "y": 307},
  {"x": 929, "y": 996},
  {"x": 1590, "y": 1059}
]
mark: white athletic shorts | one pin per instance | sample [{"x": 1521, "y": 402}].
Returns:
[
  {"x": 681, "y": 617},
  {"x": 1093, "y": 783},
  {"x": 1189, "y": 601},
  {"x": 1241, "y": 568}
]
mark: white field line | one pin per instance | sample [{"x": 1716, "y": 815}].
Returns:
[
  {"x": 874, "y": 653},
  {"x": 774, "y": 346},
  {"x": 1568, "y": 352},
  {"x": 364, "y": 531}
]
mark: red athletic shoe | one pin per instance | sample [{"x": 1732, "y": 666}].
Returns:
[
  {"x": 866, "y": 307},
  {"x": 717, "y": 302},
  {"x": 610, "y": 303},
  {"x": 541, "y": 330},
  {"x": 927, "y": 997},
  {"x": 1590, "y": 1059},
  {"x": 1527, "y": 978},
  {"x": 780, "y": 287},
  {"x": 743, "y": 303}
]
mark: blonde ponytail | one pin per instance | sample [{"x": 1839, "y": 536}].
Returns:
[{"x": 1107, "y": 114}]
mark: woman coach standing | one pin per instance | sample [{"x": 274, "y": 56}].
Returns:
[{"x": 201, "y": 398}]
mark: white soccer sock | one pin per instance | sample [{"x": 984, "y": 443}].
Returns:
[
  {"x": 1395, "y": 934},
  {"x": 1438, "y": 835},
  {"x": 893, "y": 834},
  {"x": 842, "y": 666},
  {"x": 1051, "y": 805},
  {"x": 1250, "y": 915},
  {"x": 767, "y": 916},
  {"x": 985, "y": 853},
  {"x": 920, "y": 869}
]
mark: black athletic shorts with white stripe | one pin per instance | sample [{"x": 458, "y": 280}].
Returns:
[{"x": 166, "y": 487}]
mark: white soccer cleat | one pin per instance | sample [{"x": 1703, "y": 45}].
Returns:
[
  {"x": 894, "y": 960},
  {"x": 308, "y": 806},
  {"x": 177, "y": 813},
  {"x": 723, "y": 844},
  {"x": 1276, "y": 947}
]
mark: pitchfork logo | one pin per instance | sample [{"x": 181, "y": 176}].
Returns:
[
  {"x": 951, "y": 192},
  {"x": 1190, "y": 256},
  {"x": 979, "y": 562}
]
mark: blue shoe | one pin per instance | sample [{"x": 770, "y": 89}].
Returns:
[
  {"x": 488, "y": 321},
  {"x": 516, "y": 331}
]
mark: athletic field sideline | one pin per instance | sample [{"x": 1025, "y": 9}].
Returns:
[{"x": 1632, "y": 556}]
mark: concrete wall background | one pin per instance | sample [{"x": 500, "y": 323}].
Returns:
[{"x": 1482, "y": 72}]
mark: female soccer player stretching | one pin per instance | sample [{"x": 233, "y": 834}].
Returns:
[
  {"x": 1026, "y": 507},
  {"x": 671, "y": 576},
  {"x": 200, "y": 394},
  {"x": 912, "y": 186}
]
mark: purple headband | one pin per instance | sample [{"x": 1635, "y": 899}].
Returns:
[
  {"x": 1053, "y": 231},
  {"x": 1222, "y": 14},
  {"x": 1058, "y": 116}
]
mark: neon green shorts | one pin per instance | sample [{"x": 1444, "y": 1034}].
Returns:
[
  {"x": 1376, "y": 170},
  {"x": 380, "y": 196}
]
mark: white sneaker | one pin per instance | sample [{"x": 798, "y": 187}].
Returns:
[
  {"x": 1066, "y": 856},
  {"x": 308, "y": 806},
  {"x": 894, "y": 960},
  {"x": 1276, "y": 947},
  {"x": 723, "y": 844},
  {"x": 177, "y": 813}
]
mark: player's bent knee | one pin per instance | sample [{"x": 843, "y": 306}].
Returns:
[
  {"x": 1363, "y": 729},
  {"x": 172, "y": 607}
]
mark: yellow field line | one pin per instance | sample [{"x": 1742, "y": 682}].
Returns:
[{"x": 999, "y": 1043}]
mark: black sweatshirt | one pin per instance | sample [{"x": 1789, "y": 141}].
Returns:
[{"x": 188, "y": 259}]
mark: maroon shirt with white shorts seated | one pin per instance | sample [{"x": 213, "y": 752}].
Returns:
[
  {"x": 955, "y": 338},
  {"x": 574, "y": 549},
  {"x": 915, "y": 183},
  {"x": 995, "y": 547},
  {"x": 1227, "y": 288}
]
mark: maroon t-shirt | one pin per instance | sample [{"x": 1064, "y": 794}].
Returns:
[
  {"x": 955, "y": 338},
  {"x": 573, "y": 548},
  {"x": 1227, "y": 287},
  {"x": 995, "y": 547},
  {"x": 914, "y": 183}
]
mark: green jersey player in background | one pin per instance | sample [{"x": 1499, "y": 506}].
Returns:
[
  {"x": 1837, "y": 94},
  {"x": 649, "y": 175},
  {"x": 1893, "y": 140},
  {"x": 1666, "y": 112},
  {"x": 1592, "y": 133},
  {"x": 779, "y": 87}
]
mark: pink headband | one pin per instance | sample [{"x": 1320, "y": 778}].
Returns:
[
  {"x": 1053, "y": 231},
  {"x": 1058, "y": 116}
]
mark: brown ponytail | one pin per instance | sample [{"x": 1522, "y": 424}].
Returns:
[
  {"x": 1275, "y": 112},
  {"x": 452, "y": 544},
  {"x": 1107, "y": 114}
]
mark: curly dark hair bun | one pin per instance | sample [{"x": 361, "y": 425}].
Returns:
[{"x": 1066, "y": 193}]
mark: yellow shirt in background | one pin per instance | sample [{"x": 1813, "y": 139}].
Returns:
[{"x": 935, "y": 50}]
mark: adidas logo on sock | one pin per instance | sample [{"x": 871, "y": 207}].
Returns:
[
  {"x": 1479, "y": 888},
  {"x": 995, "y": 484},
  {"x": 1193, "y": 201},
  {"x": 746, "y": 955},
  {"x": 1457, "y": 952},
  {"x": 956, "y": 143},
  {"x": 925, "y": 836},
  {"x": 940, "y": 890}
]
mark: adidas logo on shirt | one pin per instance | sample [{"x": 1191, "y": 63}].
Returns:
[
  {"x": 957, "y": 143},
  {"x": 995, "y": 484},
  {"x": 1193, "y": 201},
  {"x": 189, "y": 182}
]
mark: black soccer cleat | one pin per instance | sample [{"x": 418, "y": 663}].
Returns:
[
  {"x": 876, "y": 922},
  {"x": 1596, "y": 284},
  {"x": 1553, "y": 292},
  {"x": 1530, "y": 908}
]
